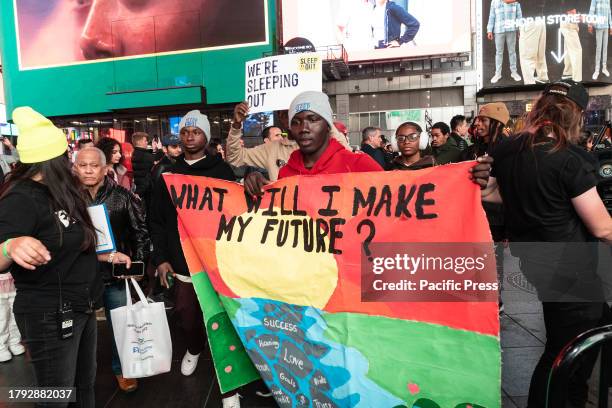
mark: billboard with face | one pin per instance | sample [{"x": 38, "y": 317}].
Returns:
[
  {"x": 64, "y": 32},
  {"x": 380, "y": 29},
  {"x": 537, "y": 41}
]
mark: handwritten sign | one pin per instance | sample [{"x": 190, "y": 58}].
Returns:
[{"x": 272, "y": 82}]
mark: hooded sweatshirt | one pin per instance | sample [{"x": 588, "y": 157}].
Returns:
[
  {"x": 163, "y": 222},
  {"x": 335, "y": 159}
]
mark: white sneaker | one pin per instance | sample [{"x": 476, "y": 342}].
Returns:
[
  {"x": 17, "y": 349},
  {"x": 595, "y": 74},
  {"x": 496, "y": 78},
  {"x": 5, "y": 356},
  {"x": 232, "y": 402},
  {"x": 516, "y": 76},
  {"x": 189, "y": 363},
  {"x": 604, "y": 70}
]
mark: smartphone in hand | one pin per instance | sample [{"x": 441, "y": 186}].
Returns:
[{"x": 136, "y": 270}]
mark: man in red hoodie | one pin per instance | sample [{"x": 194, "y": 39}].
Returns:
[{"x": 310, "y": 122}]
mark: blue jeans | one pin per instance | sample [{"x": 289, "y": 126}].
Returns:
[
  {"x": 509, "y": 39},
  {"x": 62, "y": 363},
  {"x": 114, "y": 297}
]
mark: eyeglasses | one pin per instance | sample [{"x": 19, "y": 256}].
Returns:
[{"x": 412, "y": 137}]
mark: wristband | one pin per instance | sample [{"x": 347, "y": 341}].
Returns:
[
  {"x": 111, "y": 256},
  {"x": 4, "y": 251},
  {"x": 237, "y": 123}
]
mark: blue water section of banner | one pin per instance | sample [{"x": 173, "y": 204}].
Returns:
[{"x": 299, "y": 364}]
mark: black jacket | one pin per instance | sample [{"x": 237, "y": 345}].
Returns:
[
  {"x": 142, "y": 162},
  {"x": 161, "y": 167},
  {"x": 494, "y": 211},
  {"x": 163, "y": 217},
  {"x": 458, "y": 141},
  {"x": 447, "y": 153},
  {"x": 26, "y": 211},
  {"x": 475, "y": 150},
  {"x": 376, "y": 154},
  {"x": 127, "y": 217},
  {"x": 423, "y": 163}
]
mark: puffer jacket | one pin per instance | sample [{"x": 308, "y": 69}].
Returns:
[{"x": 128, "y": 222}]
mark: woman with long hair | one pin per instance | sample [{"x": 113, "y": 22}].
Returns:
[
  {"x": 48, "y": 241},
  {"x": 215, "y": 147},
  {"x": 113, "y": 153},
  {"x": 552, "y": 209}
]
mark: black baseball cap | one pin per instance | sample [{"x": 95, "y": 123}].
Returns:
[
  {"x": 570, "y": 89},
  {"x": 171, "y": 140}
]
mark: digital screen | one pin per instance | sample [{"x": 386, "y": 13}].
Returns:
[
  {"x": 381, "y": 29},
  {"x": 174, "y": 124},
  {"x": 254, "y": 124},
  {"x": 64, "y": 32},
  {"x": 537, "y": 41},
  {"x": 5, "y": 127}
]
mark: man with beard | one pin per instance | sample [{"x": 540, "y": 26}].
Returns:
[
  {"x": 171, "y": 146},
  {"x": 490, "y": 123}
]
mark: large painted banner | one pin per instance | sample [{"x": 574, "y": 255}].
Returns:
[{"x": 295, "y": 271}]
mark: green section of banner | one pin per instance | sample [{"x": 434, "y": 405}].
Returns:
[
  {"x": 232, "y": 364},
  {"x": 467, "y": 364},
  {"x": 231, "y": 306}
]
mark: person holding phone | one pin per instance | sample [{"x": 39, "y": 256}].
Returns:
[
  {"x": 7, "y": 159},
  {"x": 127, "y": 218}
]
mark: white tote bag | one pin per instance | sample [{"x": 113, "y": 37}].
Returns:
[{"x": 142, "y": 336}]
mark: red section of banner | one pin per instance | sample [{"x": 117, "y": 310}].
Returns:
[{"x": 306, "y": 247}]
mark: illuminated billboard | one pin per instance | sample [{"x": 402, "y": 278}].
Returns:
[
  {"x": 380, "y": 29},
  {"x": 537, "y": 41},
  {"x": 66, "y": 32}
]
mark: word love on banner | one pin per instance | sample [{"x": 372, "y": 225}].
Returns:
[
  {"x": 273, "y": 82},
  {"x": 287, "y": 268}
]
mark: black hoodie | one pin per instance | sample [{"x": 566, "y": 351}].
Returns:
[{"x": 163, "y": 217}]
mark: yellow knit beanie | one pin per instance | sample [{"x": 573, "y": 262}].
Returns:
[{"x": 39, "y": 140}]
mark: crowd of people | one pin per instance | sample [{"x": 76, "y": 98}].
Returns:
[{"x": 542, "y": 188}]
